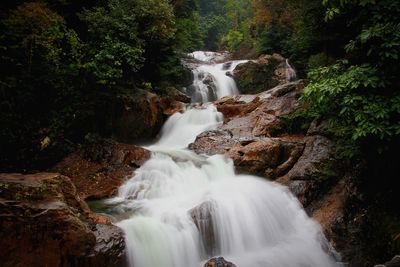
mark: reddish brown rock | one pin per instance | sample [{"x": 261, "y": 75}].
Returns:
[
  {"x": 45, "y": 223},
  {"x": 268, "y": 157},
  {"x": 234, "y": 106},
  {"x": 172, "y": 100},
  {"x": 258, "y": 115},
  {"x": 332, "y": 207},
  {"x": 170, "y": 106},
  {"x": 249, "y": 119},
  {"x": 99, "y": 170},
  {"x": 137, "y": 116}
]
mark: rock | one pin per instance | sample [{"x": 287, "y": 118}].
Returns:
[
  {"x": 173, "y": 94},
  {"x": 172, "y": 100},
  {"x": 332, "y": 207},
  {"x": 261, "y": 115},
  {"x": 202, "y": 216},
  {"x": 219, "y": 262},
  {"x": 213, "y": 142},
  {"x": 303, "y": 163},
  {"x": 100, "y": 169},
  {"x": 233, "y": 106},
  {"x": 45, "y": 223},
  {"x": 171, "y": 107},
  {"x": 317, "y": 157},
  {"x": 268, "y": 157},
  {"x": 248, "y": 118},
  {"x": 137, "y": 116},
  {"x": 313, "y": 172},
  {"x": 260, "y": 75},
  {"x": 110, "y": 245},
  {"x": 227, "y": 65},
  {"x": 395, "y": 262}
]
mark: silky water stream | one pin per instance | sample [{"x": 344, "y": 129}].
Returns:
[{"x": 180, "y": 208}]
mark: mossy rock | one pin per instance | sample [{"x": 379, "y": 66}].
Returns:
[{"x": 253, "y": 78}]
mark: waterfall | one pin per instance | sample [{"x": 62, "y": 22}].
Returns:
[
  {"x": 290, "y": 72},
  {"x": 181, "y": 208},
  {"x": 212, "y": 81}
]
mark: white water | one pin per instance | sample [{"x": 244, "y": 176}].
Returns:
[
  {"x": 209, "y": 56},
  {"x": 247, "y": 220},
  {"x": 290, "y": 72},
  {"x": 210, "y": 81}
]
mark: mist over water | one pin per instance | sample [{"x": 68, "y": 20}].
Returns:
[{"x": 180, "y": 208}]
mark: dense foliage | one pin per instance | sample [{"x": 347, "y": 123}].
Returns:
[
  {"x": 359, "y": 97},
  {"x": 65, "y": 63}
]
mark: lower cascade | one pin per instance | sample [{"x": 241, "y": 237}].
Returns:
[{"x": 180, "y": 209}]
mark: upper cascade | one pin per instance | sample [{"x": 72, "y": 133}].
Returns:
[
  {"x": 212, "y": 79},
  {"x": 209, "y": 56}
]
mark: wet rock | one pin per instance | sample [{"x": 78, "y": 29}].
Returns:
[
  {"x": 262, "y": 113},
  {"x": 173, "y": 94},
  {"x": 315, "y": 161},
  {"x": 45, "y": 223},
  {"x": 268, "y": 157},
  {"x": 260, "y": 75},
  {"x": 110, "y": 245},
  {"x": 332, "y": 207},
  {"x": 314, "y": 171},
  {"x": 213, "y": 142},
  {"x": 172, "y": 100},
  {"x": 137, "y": 116},
  {"x": 234, "y": 106},
  {"x": 227, "y": 65},
  {"x": 202, "y": 216},
  {"x": 249, "y": 118},
  {"x": 100, "y": 169},
  {"x": 219, "y": 262}
]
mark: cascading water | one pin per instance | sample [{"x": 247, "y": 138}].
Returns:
[
  {"x": 181, "y": 208},
  {"x": 210, "y": 81},
  {"x": 290, "y": 72}
]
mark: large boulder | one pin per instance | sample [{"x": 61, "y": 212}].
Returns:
[
  {"x": 314, "y": 171},
  {"x": 172, "y": 100},
  {"x": 140, "y": 114},
  {"x": 268, "y": 157},
  {"x": 100, "y": 169},
  {"x": 45, "y": 223},
  {"x": 249, "y": 118},
  {"x": 137, "y": 116},
  {"x": 256, "y": 76}
]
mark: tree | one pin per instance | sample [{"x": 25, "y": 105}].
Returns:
[
  {"x": 41, "y": 60},
  {"x": 124, "y": 36},
  {"x": 359, "y": 98}
]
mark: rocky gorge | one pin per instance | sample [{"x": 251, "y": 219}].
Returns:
[{"x": 45, "y": 220}]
